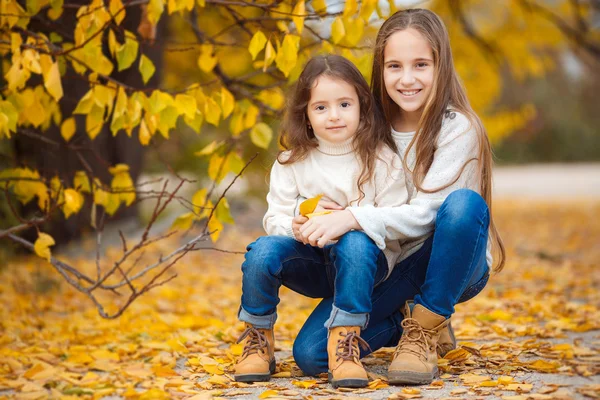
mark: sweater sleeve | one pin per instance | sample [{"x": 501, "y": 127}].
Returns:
[
  {"x": 457, "y": 145},
  {"x": 282, "y": 201}
]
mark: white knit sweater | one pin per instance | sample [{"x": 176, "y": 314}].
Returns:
[
  {"x": 333, "y": 170},
  {"x": 412, "y": 223}
]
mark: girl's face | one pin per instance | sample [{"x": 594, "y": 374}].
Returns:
[
  {"x": 408, "y": 70},
  {"x": 333, "y": 109}
]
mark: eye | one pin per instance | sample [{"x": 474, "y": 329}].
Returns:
[
  {"x": 422, "y": 65},
  {"x": 345, "y": 104},
  {"x": 393, "y": 66},
  {"x": 320, "y": 108}
]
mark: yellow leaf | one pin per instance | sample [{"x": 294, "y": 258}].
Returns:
[
  {"x": 68, "y": 128},
  {"x": 261, "y": 135},
  {"x": 155, "y": 394},
  {"x": 207, "y": 61},
  {"x": 353, "y": 28},
  {"x": 274, "y": 98},
  {"x": 320, "y": 6},
  {"x": 268, "y": 393},
  {"x": 52, "y": 82},
  {"x": 209, "y": 149},
  {"x": 155, "y": 9},
  {"x": 144, "y": 134},
  {"x": 198, "y": 202},
  {"x": 287, "y": 56},
  {"x": 219, "y": 380},
  {"x": 212, "y": 111},
  {"x": 505, "y": 380},
  {"x": 542, "y": 365},
  {"x": 72, "y": 203},
  {"x": 305, "y": 384},
  {"x": 298, "y": 18},
  {"x": 146, "y": 68},
  {"x": 42, "y": 245},
  {"x": 411, "y": 391},
  {"x": 350, "y": 8},
  {"x": 309, "y": 205},
  {"x": 213, "y": 369},
  {"x": 310, "y": 215},
  {"x": 122, "y": 184},
  {"x": 215, "y": 227},
  {"x": 250, "y": 116},
  {"x": 337, "y": 30},
  {"x": 114, "y": 7},
  {"x": 257, "y": 43},
  {"x": 269, "y": 55},
  {"x": 489, "y": 384},
  {"x": 186, "y": 105},
  {"x": 237, "y": 349},
  {"x": 227, "y": 102},
  {"x": 183, "y": 222}
]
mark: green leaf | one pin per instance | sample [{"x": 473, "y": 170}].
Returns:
[
  {"x": 146, "y": 68},
  {"x": 223, "y": 212},
  {"x": 261, "y": 135},
  {"x": 127, "y": 53}
]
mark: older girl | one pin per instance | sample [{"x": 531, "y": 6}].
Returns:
[{"x": 444, "y": 227}]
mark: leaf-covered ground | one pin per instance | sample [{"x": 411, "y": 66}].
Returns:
[{"x": 534, "y": 332}]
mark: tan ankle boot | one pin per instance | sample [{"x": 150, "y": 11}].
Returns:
[
  {"x": 415, "y": 359},
  {"x": 257, "y": 362},
  {"x": 345, "y": 368},
  {"x": 447, "y": 341}
]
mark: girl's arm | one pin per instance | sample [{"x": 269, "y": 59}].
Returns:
[
  {"x": 458, "y": 143},
  {"x": 282, "y": 200},
  {"x": 390, "y": 188}
]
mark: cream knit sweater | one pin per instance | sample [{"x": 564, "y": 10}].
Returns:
[
  {"x": 412, "y": 223},
  {"x": 333, "y": 170}
]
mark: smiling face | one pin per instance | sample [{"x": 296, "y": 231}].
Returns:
[
  {"x": 333, "y": 109},
  {"x": 408, "y": 73}
]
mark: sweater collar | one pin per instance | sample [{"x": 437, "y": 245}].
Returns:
[
  {"x": 402, "y": 135},
  {"x": 334, "y": 149}
]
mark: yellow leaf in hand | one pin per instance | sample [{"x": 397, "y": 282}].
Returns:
[
  {"x": 309, "y": 205},
  {"x": 316, "y": 214},
  {"x": 42, "y": 245}
]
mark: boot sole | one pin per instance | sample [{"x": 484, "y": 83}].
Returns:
[
  {"x": 349, "y": 383},
  {"x": 411, "y": 377},
  {"x": 256, "y": 377}
]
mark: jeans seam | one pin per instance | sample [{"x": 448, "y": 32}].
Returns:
[{"x": 479, "y": 235}]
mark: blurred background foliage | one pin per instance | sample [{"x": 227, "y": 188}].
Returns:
[{"x": 530, "y": 68}]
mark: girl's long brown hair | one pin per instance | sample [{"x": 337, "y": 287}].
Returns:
[
  {"x": 447, "y": 92},
  {"x": 370, "y": 134}
]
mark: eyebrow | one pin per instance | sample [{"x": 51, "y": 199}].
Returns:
[
  {"x": 323, "y": 101},
  {"x": 415, "y": 60}
]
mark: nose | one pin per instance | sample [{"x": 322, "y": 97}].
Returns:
[
  {"x": 333, "y": 114},
  {"x": 408, "y": 77}
]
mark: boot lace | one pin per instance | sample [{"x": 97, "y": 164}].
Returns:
[
  {"x": 257, "y": 341},
  {"x": 414, "y": 339},
  {"x": 347, "y": 349}
]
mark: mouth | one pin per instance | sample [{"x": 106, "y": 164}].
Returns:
[
  {"x": 410, "y": 93},
  {"x": 333, "y": 128}
]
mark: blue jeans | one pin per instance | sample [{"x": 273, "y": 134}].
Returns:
[
  {"x": 345, "y": 272},
  {"x": 449, "y": 268}
]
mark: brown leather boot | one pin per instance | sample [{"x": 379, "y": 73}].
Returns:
[
  {"x": 415, "y": 358},
  {"x": 447, "y": 341},
  {"x": 257, "y": 362},
  {"x": 345, "y": 368}
]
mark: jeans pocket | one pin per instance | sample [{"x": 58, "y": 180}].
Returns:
[{"x": 474, "y": 289}]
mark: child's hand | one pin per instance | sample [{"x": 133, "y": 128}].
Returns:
[
  {"x": 327, "y": 204},
  {"x": 319, "y": 230},
  {"x": 297, "y": 222}
]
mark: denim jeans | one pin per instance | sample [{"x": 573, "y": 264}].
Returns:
[
  {"x": 345, "y": 272},
  {"x": 449, "y": 268}
]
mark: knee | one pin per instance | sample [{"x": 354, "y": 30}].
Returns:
[
  {"x": 264, "y": 255},
  {"x": 307, "y": 356},
  {"x": 463, "y": 207},
  {"x": 356, "y": 243}
]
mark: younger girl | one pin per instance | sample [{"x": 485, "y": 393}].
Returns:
[
  {"x": 443, "y": 229},
  {"x": 335, "y": 147}
]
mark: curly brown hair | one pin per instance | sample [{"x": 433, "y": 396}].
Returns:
[{"x": 370, "y": 135}]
